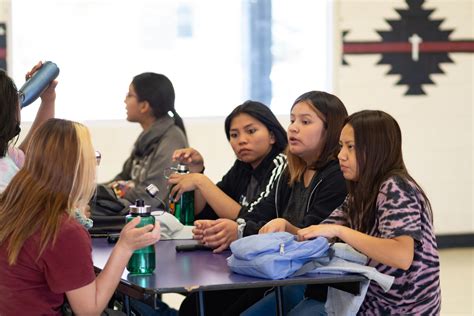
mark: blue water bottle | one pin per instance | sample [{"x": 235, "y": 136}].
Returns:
[{"x": 35, "y": 85}]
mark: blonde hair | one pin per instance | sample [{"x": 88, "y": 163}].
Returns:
[{"x": 58, "y": 175}]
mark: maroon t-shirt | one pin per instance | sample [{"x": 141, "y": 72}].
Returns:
[{"x": 36, "y": 286}]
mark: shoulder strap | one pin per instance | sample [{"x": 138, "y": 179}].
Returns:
[{"x": 315, "y": 263}]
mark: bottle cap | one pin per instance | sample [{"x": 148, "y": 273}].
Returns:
[
  {"x": 140, "y": 208},
  {"x": 182, "y": 168},
  {"x": 152, "y": 190}
]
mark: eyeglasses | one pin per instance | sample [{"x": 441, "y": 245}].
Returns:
[{"x": 98, "y": 157}]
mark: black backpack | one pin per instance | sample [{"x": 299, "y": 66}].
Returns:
[{"x": 108, "y": 212}]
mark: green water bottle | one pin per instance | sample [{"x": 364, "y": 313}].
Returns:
[
  {"x": 143, "y": 259},
  {"x": 184, "y": 207}
]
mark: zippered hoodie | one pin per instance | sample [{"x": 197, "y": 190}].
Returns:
[
  {"x": 236, "y": 181},
  {"x": 327, "y": 191}
]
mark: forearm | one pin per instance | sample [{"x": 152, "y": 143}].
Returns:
[
  {"x": 397, "y": 252},
  {"x": 199, "y": 202},
  {"x": 221, "y": 203},
  {"x": 108, "y": 280}
]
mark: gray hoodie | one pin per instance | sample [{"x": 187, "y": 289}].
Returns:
[{"x": 150, "y": 156}]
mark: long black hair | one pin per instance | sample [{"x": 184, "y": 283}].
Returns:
[
  {"x": 158, "y": 90},
  {"x": 9, "y": 120},
  {"x": 378, "y": 145}
]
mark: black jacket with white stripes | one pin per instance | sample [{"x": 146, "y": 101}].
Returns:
[
  {"x": 327, "y": 191},
  {"x": 236, "y": 181}
]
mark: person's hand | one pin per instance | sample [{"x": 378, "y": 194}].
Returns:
[
  {"x": 275, "y": 225},
  {"x": 35, "y": 68},
  {"x": 120, "y": 187},
  {"x": 325, "y": 230},
  {"x": 133, "y": 238},
  {"x": 220, "y": 234},
  {"x": 126, "y": 184},
  {"x": 190, "y": 157},
  {"x": 49, "y": 95},
  {"x": 200, "y": 226},
  {"x": 183, "y": 183}
]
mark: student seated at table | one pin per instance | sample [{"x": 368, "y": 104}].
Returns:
[
  {"x": 258, "y": 140},
  {"x": 386, "y": 216},
  {"x": 45, "y": 254},
  {"x": 149, "y": 102},
  {"x": 308, "y": 190},
  {"x": 11, "y": 157}
]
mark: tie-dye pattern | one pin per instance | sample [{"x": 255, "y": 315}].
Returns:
[
  {"x": 402, "y": 212},
  {"x": 9, "y": 166}
]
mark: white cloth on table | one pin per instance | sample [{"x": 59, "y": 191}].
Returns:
[
  {"x": 171, "y": 227},
  {"x": 347, "y": 260}
]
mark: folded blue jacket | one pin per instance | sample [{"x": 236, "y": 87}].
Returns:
[{"x": 275, "y": 255}]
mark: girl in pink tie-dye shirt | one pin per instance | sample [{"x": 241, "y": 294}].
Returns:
[
  {"x": 9, "y": 165},
  {"x": 386, "y": 216}
]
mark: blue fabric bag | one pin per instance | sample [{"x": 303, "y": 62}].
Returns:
[{"x": 275, "y": 255}]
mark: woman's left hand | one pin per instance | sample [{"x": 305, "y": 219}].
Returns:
[{"x": 275, "y": 225}]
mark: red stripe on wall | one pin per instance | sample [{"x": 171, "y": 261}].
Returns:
[
  {"x": 438, "y": 47},
  {"x": 376, "y": 48},
  {"x": 406, "y": 47}
]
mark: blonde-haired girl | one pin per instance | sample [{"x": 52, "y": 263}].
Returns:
[{"x": 45, "y": 254}]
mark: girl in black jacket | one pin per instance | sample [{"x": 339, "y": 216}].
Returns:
[
  {"x": 258, "y": 140},
  {"x": 313, "y": 185}
]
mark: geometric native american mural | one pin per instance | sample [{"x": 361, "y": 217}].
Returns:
[{"x": 414, "y": 48}]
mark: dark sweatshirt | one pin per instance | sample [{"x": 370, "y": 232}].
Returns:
[
  {"x": 237, "y": 183},
  {"x": 301, "y": 206}
]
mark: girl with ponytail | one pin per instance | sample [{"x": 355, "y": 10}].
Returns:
[{"x": 150, "y": 102}]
